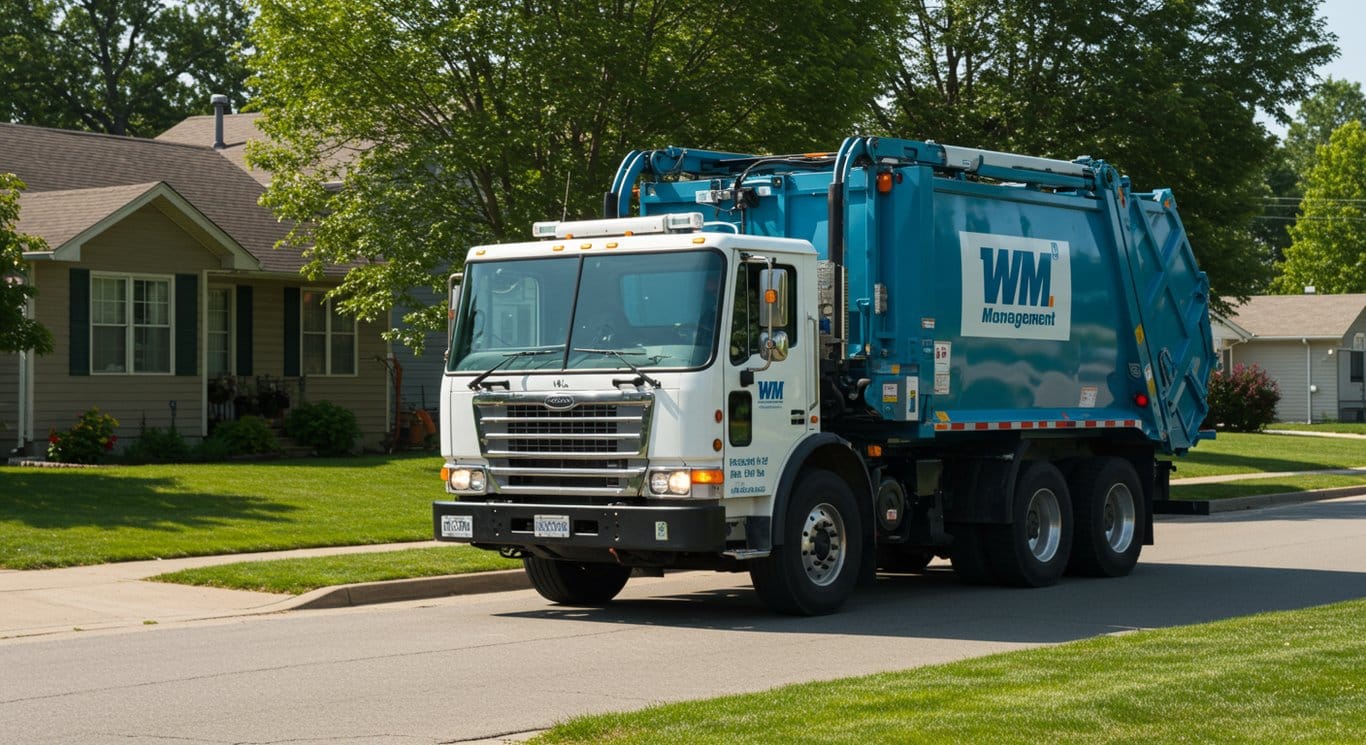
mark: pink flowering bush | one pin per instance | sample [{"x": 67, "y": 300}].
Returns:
[
  {"x": 88, "y": 441},
  {"x": 1243, "y": 399}
]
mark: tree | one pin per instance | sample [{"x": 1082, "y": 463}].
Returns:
[
  {"x": 448, "y": 124},
  {"x": 1328, "y": 248},
  {"x": 1166, "y": 91},
  {"x": 130, "y": 67},
  {"x": 18, "y": 332}
]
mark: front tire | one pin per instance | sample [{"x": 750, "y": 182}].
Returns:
[
  {"x": 1107, "y": 503},
  {"x": 575, "y": 582},
  {"x": 1033, "y": 550},
  {"x": 816, "y": 568}
]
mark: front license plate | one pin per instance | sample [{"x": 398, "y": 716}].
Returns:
[
  {"x": 457, "y": 526},
  {"x": 551, "y": 526}
]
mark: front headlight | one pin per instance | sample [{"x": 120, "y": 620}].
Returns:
[
  {"x": 467, "y": 479},
  {"x": 679, "y": 482}
]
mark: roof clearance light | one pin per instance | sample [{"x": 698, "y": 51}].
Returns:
[{"x": 649, "y": 224}]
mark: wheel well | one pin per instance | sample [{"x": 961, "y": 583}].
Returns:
[{"x": 836, "y": 456}]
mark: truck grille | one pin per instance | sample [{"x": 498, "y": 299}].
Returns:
[{"x": 594, "y": 446}]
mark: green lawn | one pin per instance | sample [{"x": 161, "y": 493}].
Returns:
[
  {"x": 1252, "y": 453},
  {"x": 1255, "y": 487},
  {"x": 297, "y": 576},
  {"x": 1281, "y": 677},
  {"x": 53, "y": 517},
  {"x": 1355, "y": 428}
]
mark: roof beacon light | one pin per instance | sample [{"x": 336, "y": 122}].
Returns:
[{"x": 651, "y": 224}]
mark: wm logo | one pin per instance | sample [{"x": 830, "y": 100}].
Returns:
[
  {"x": 1011, "y": 274},
  {"x": 770, "y": 390}
]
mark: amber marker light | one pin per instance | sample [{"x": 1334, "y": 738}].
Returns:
[
  {"x": 770, "y": 296},
  {"x": 718, "y": 416},
  {"x": 445, "y": 474},
  {"x": 874, "y": 451},
  {"x": 884, "y": 182},
  {"x": 716, "y": 445},
  {"x": 708, "y": 476},
  {"x": 699, "y": 240}
]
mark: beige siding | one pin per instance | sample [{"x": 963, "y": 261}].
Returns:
[
  {"x": 10, "y": 435},
  {"x": 145, "y": 242},
  {"x": 1296, "y": 366}
]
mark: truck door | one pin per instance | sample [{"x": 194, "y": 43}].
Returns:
[{"x": 766, "y": 400}]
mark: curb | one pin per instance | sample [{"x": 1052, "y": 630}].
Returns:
[
  {"x": 1236, "y": 504},
  {"x": 420, "y": 588}
]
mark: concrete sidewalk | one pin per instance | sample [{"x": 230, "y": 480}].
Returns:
[{"x": 116, "y": 596}]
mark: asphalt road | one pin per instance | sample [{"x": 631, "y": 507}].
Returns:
[{"x": 484, "y": 666}]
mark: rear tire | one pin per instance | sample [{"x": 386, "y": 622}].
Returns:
[
  {"x": 1033, "y": 550},
  {"x": 816, "y": 568},
  {"x": 1108, "y": 505},
  {"x": 574, "y": 582}
]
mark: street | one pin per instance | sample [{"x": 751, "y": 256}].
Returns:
[{"x": 490, "y": 665}]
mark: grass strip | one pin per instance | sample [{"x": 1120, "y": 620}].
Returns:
[
  {"x": 1280, "y": 677},
  {"x": 1257, "y": 487},
  {"x": 1234, "y": 452},
  {"x": 298, "y": 576},
  {"x": 51, "y": 517},
  {"x": 1351, "y": 428}
]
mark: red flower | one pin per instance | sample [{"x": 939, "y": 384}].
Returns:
[{"x": 53, "y": 439}]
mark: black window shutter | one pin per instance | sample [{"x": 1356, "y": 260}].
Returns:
[
  {"x": 80, "y": 321},
  {"x": 186, "y": 324},
  {"x": 292, "y": 331},
  {"x": 244, "y": 316}
]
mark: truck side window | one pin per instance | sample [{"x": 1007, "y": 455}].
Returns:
[
  {"x": 745, "y": 328},
  {"x": 740, "y": 429}
]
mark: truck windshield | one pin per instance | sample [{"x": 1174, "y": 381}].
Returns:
[{"x": 658, "y": 311}]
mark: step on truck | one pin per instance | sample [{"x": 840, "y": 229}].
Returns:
[{"x": 817, "y": 367}]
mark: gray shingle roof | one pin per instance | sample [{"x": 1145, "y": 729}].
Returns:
[
  {"x": 59, "y": 216},
  {"x": 238, "y": 130},
  {"x": 50, "y": 160},
  {"x": 1307, "y": 316}
]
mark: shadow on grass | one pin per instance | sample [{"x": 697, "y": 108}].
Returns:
[
  {"x": 1248, "y": 463},
  {"x": 60, "y": 498},
  {"x": 347, "y": 461}
]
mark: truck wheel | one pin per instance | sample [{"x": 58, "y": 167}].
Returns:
[
  {"x": 816, "y": 568},
  {"x": 1033, "y": 550},
  {"x": 574, "y": 582},
  {"x": 968, "y": 554},
  {"x": 1107, "y": 503}
]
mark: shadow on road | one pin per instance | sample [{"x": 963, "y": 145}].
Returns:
[{"x": 936, "y": 606}]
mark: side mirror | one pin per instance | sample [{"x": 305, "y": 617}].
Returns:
[
  {"x": 777, "y": 351},
  {"x": 773, "y": 298},
  {"x": 452, "y": 302}
]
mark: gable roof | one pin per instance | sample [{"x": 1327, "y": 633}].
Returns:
[
  {"x": 67, "y": 219},
  {"x": 1300, "y": 316},
  {"x": 238, "y": 130},
  {"x": 52, "y": 160}
]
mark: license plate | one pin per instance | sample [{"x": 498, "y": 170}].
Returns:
[
  {"x": 457, "y": 526},
  {"x": 551, "y": 526}
]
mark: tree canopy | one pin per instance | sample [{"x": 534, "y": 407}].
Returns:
[
  {"x": 1328, "y": 248},
  {"x": 131, "y": 67},
  {"x": 18, "y": 332},
  {"x": 450, "y": 124},
  {"x": 1166, "y": 91}
]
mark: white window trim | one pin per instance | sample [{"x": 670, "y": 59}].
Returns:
[
  {"x": 129, "y": 326},
  {"x": 232, "y": 330},
  {"x": 327, "y": 346}
]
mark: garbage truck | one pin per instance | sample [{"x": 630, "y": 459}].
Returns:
[{"x": 820, "y": 366}]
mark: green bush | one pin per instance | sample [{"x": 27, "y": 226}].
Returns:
[
  {"x": 323, "y": 426},
  {"x": 158, "y": 446},
  {"x": 89, "y": 441},
  {"x": 1243, "y": 399},
  {"x": 247, "y": 435}
]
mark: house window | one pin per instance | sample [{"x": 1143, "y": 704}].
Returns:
[
  {"x": 219, "y": 341},
  {"x": 130, "y": 328},
  {"x": 1356, "y": 372},
  {"x": 328, "y": 338}
]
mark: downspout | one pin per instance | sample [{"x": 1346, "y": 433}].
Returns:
[{"x": 1308, "y": 381}]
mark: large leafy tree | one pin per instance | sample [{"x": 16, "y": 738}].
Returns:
[
  {"x": 403, "y": 132},
  {"x": 1328, "y": 249},
  {"x": 130, "y": 67},
  {"x": 18, "y": 332},
  {"x": 1167, "y": 90}
]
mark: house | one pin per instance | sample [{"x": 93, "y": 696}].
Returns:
[
  {"x": 166, "y": 295},
  {"x": 1313, "y": 345},
  {"x": 229, "y": 134}
]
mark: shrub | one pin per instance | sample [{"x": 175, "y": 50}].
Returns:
[
  {"x": 323, "y": 426},
  {"x": 88, "y": 441},
  {"x": 158, "y": 446},
  {"x": 1243, "y": 399},
  {"x": 247, "y": 435}
]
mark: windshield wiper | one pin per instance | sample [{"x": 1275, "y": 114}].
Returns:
[
  {"x": 641, "y": 377},
  {"x": 510, "y": 356}
]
